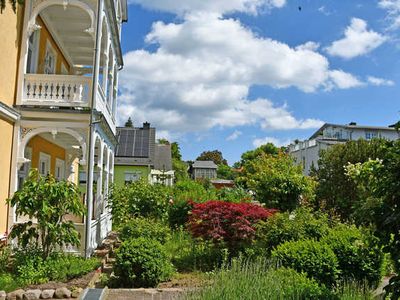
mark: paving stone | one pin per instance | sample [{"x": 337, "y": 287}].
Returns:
[
  {"x": 61, "y": 293},
  {"x": 16, "y": 295},
  {"x": 3, "y": 295}
]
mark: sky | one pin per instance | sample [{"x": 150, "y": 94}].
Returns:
[{"x": 234, "y": 74}]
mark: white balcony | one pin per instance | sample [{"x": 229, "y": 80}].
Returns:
[{"x": 56, "y": 90}]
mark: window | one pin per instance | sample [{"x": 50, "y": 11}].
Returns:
[
  {"x": 82, "y": 177},
  {"x": 132, "y": 176},
  {"x": 24, "y": 170},
  {"x": 370, "y": 135},
  {"x": 60, "y": 169},
  {"x": 49, "y": 60},
  {"x": 44, "y": 164},
  {"x": 31, "y": 63}
]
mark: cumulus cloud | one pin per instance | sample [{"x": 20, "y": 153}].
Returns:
[
  {"x": 357, "y": 40},
  {"x": 199, "y": 76},
  {"x": 234, "y": 135},
  {"x": 277, "y": 142},
  {"x": 393, "y": 9},
  {"x": 379, "y": 81},
  {"x": 221, "y": 6}
]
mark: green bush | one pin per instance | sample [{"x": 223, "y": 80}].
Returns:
[
  {"x": 31, "y": 268},
  {"x": 178, "y": 213},
  {"x": 193, "y": 190},
  {"x": 142, "y": 262},
  {"x": 5, "y": 254},
  {"x": 8, "y": 282},
  {"x": 358, "y": 254},
  {"x": 299, "y": 225},
  {"x": 147, "y": 228},
  {"x": 188, "y": 254},
  {"x": 235, "y": 195},
  {"x": 260, "y": 280},
  {"x": 138, "y": 199},
  {"x": 315, "y": 258}
]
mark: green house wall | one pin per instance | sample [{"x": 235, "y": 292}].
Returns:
[{"x": 119, "y": 172}]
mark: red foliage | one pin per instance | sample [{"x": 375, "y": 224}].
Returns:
[{"x": 228, "y": 222}]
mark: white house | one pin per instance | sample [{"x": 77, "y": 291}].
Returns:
[{"x": 306, "y": 152}]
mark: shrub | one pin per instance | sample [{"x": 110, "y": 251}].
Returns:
[
  {"x": 315, "y": 258},
  {"x": 192, "y": 190},
  {"x": 138, "y": 199},
  {"x": 230, "y": 223},
  {"x": 358, "y": 255},
  {"x": 8, "y": 282},
  {"x": 235, "y": 195},
  {"x": 147, "y": 228},
  {"x": 31, "y": 268},
  {"x": 142, "y": 262},
  {"x": 178, "y": 213},
  {"x": 48, "y": 201},
  {"x": 188, "y": 254},
  {"x": 299, "y": 225},
  {"x": 260, "y": 280},
  {"x": 5, "y": 254}
]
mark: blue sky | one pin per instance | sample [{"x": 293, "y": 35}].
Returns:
[{"x": 233, "y": 74}]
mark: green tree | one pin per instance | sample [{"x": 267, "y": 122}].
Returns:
[
  {"x": 277, "y": 181},
  {"x": 379, "y": 180},
  {"x": 181, "y": 169},
  {"x": 225, "y": 172},
  {"x": 13, "y": 4},
  {"x": 215, "y": 156},
  {"x": 176, "y": 151},
  {"x": 129, "y": 123},
  {"x": 48, "y": 201},
  {"x": 251, "y": 155},
  {"x": 336, "y": 192}
]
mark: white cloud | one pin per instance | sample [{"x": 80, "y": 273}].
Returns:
[
  {"x": 234, "y": 135},
  {"x": 343, "y": 80},
  {"x": 393, "y": 9},
  {"x": 379, "y": 81},
  {"x": 220, "y": 6},
  {"x": 200, "y": 74},
  {"x": 277, "y": 142},
  {"x": 357, "y": 41},
  {"x": 324, "y": 10}
]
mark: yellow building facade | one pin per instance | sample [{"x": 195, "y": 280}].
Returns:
[
  {"x": 10, "y": 23},
  {"x": 58, "y": 94}
]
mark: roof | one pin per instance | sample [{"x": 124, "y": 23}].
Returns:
[
  {"x": 162, "y": 157},
  {"x": 204, "y": 164},
  {"x": 222, "y": 181},
  {"x": 348, "y": 126},
  {"x": 135, "y": 142}
]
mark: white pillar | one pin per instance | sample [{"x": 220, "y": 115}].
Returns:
[{"x": 105, "y": 66}]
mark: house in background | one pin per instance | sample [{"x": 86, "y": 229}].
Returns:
[
  {"x": 138, "y": 156},
  {"x": 307, "y": 152},
  {"x": 203, "y": 169},
  {"x": 61, "y": 86}
]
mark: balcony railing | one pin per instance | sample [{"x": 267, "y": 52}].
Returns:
[{"x": 56, "y": 90}]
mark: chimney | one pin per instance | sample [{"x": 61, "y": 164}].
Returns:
[
  {"x": 146, "y": 125},
  {"x": 352, "y": 123}
]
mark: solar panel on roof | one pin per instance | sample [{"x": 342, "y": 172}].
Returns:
[{"x": 133, "y": 143}]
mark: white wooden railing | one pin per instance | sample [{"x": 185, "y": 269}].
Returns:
[{"x": 56, "y": 90}]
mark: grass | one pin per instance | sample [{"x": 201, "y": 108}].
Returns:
[
  {"x": 261, "y": 279},
  {"x": 8, "y": 283}
]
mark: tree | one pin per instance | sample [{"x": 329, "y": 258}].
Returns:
[
  {"x": 336, "y": 192},
  {"x": 225, "y": 172},
  {"x": 277, "y": 181},
  {"x": 48, "y": 201},
  {"x": 129, "y": 123},
  {"x": 378, "y": 180},
  {"x": 176, "y": 151},
  {"x": 250, "y": 155},
  {"x": 215, "y": 156},
  {"x": 13, "y": 4}
]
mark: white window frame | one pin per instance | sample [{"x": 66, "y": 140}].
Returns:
[
  {"x": 32, "y": 68},
  {"x": 132, "y": 176},
  {"x": 60, "y": 166},
  {"x": 50, "y": 50},
  {"x": 46, "y": 159}
]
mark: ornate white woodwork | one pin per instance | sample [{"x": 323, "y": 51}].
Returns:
[{"x": 56, "y": 90}]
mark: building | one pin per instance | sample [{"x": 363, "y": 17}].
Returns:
[
  {"x": 138, "y": 156},
  {"x": 65, "y": 88},
  {"x": 203, "y": 169},
  {"x": 306, "y": 152},
  {"x": 10, "y": 23}
]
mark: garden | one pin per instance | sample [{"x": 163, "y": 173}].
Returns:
[
  {"x": 277, "y": 235},
  {"x": 282, "y": 240}
]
